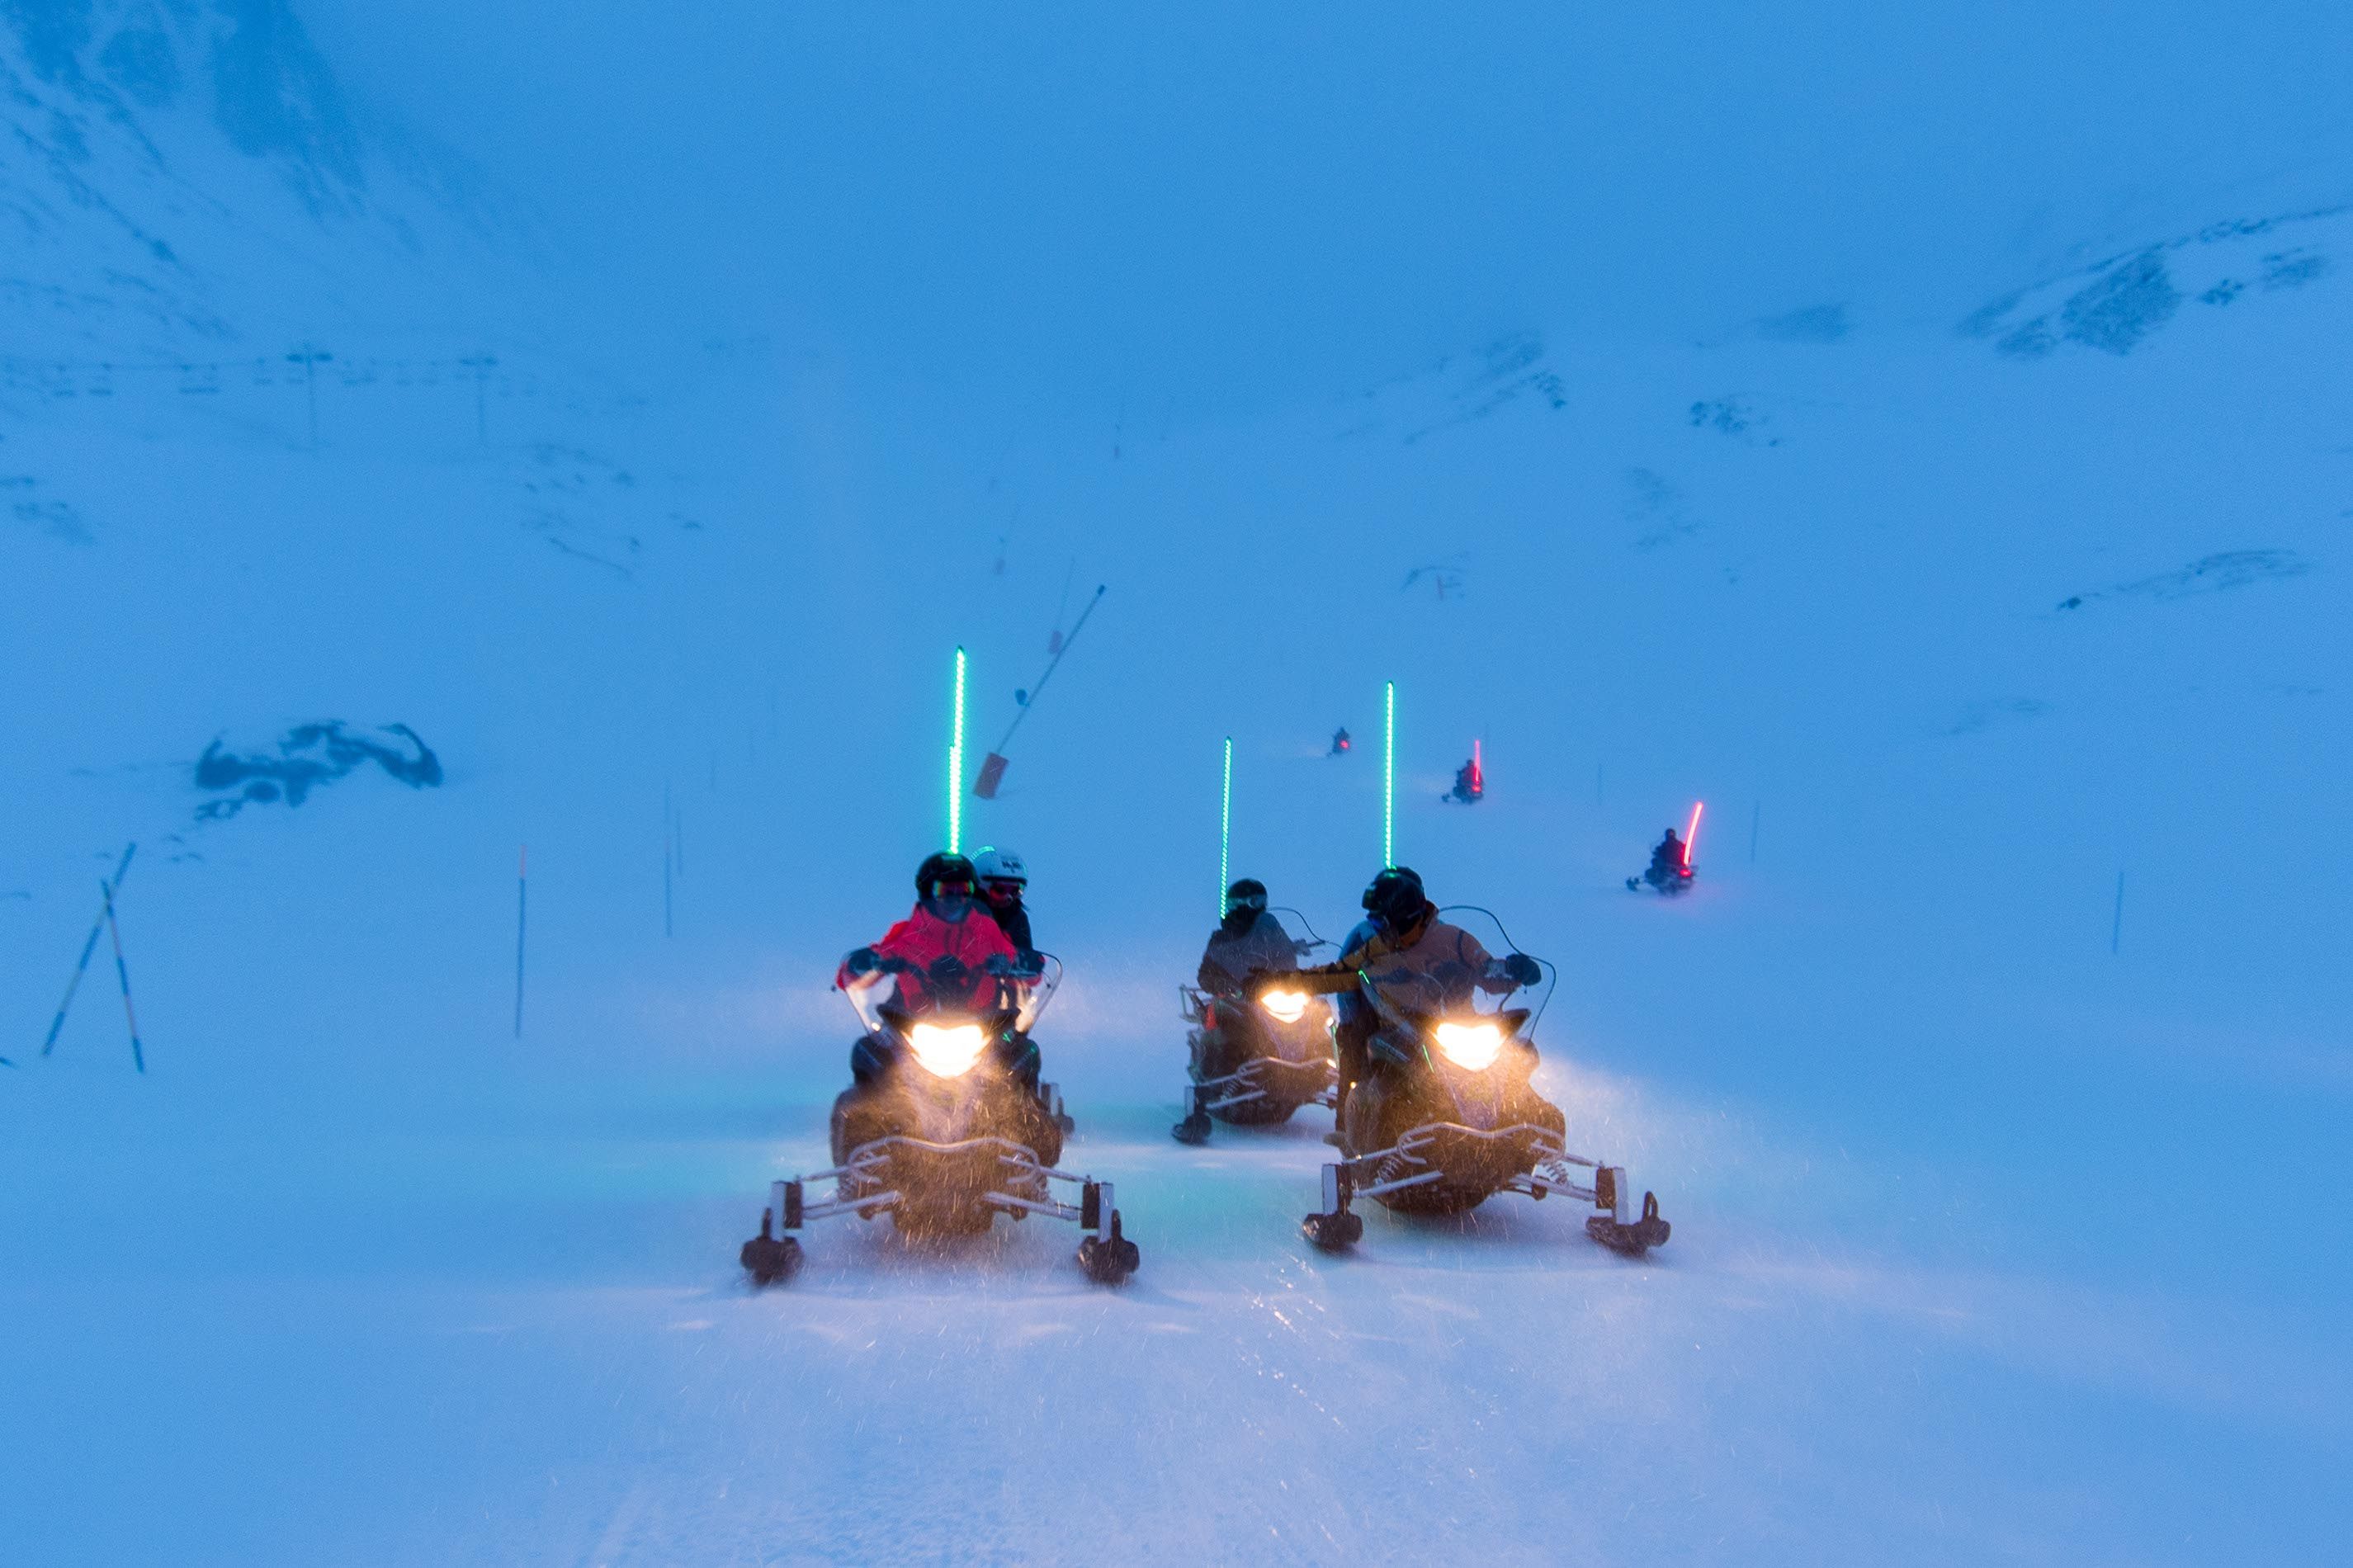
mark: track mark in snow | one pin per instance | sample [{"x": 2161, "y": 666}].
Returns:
[
  {"x": 2213, "y": 574},
  {"x": 1979, "y": 716},
  {"x": 1657, "y": 506}
]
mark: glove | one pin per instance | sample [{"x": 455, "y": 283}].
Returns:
[
  {"x": 1030, "y": 966},
  {"x": 1522, "y": 970},
  {"x": 998, "y": 966},
  {"x": 864, "y": 960}
]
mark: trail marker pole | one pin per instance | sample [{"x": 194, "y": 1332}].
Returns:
[
  {"x": 122, "y": 972},
  {"x": 97, "y": 928},
  {"x": 311, "y": 357},
  {"x": 1225, "y": 827},
  {"x": 523, "y": 899},
  {"x": 2117, "y": 927},
  {"x": 481, "y": 365},
  {"x": 1388, "y": 775}
]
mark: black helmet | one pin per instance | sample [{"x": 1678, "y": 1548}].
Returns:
[
  {"x": 1249, "y": 893},
  {"x": 1395, "y": 900},
  {"x": 944, "y": 867}
]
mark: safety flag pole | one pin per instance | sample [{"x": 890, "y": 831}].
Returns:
[
  {"x": 1389, "y": 775},
  {"x": 1225, "y": 827},
  {"x": 122, "y": 972},
  {"x": 1690, "y": 833},
  {"x": 955, "y": 765}
]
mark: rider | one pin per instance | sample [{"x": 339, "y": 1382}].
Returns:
[
  {"x": 1003, "y": 880},
  {"x": 1668, "y": 857},
  {"x": 947, "y": 954},
  {"x": 1248, "y": 938},
  {"x": 942, "y": 926},
  {"x": 1403, "y": 950}
]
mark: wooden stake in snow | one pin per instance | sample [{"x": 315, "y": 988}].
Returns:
[
  {"x": 523, "y": 897},
  {"x": 96, "y": 926}
]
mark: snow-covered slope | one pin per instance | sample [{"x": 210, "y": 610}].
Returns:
[{"x": 1992, "y": 1244}]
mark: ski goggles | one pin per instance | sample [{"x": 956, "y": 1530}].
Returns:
[{"x": 1246, "y": 902}]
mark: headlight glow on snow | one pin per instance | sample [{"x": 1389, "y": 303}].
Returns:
[
  {"x": 1286, "y": 1005},
  {"x": 947, "y": 1052},
  {"x": 1471, "y": 1046}
]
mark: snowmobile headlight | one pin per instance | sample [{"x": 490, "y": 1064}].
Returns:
[
  {"x": 1471, "y": 1046},
  {"x": 947, "y": 1050},
  {"x": 1287, "y": 1006}
]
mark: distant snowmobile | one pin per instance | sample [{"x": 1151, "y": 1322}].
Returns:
[
  {"x": 1449, "y": 1119},
  {"x": 1670, "y": 871},
  {"x": 948, "y": 1134},
  {"x": 1255, "y": 1061},
  {"x": 1470, "y": 783},
  {"x": 1340, "y": 744}
]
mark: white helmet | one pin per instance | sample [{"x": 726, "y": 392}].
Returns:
[{"x": 996, "y": 865}]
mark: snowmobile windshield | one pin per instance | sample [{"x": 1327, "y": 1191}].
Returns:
[
  {"x": 950, "y": 993},
  {"x": 1037, "y": 992}
]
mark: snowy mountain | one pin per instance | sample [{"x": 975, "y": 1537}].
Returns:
[
  {"x": 183, "y": 173},
  {"x": 1993, "y": 1077}
]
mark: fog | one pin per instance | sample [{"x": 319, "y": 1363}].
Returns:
[{"x": 1221, "y": 198}]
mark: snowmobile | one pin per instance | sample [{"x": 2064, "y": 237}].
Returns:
[
  {"x": 1449, "y": 1120},
  {"x": 1469, "y": 781},
  {"x": 1670, "y": 878},
  {"x": 1255, "y": 1061},
  {"x": 950, "y": 1133}
]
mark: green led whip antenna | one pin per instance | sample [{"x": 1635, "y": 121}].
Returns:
[
  {"x": 955, "y": 767},
  {"x": 1389, "y": 775},
  {"x": 1225, "y": 826}
]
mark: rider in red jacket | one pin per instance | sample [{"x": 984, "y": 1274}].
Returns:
[{"x": 947, "y": 922}]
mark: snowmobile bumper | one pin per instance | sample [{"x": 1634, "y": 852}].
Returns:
[
  {"x": 1284, "y": 1084},
  {"x": 1480, "y": 1159},
  {"x": 1012, "y": 1181}
]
